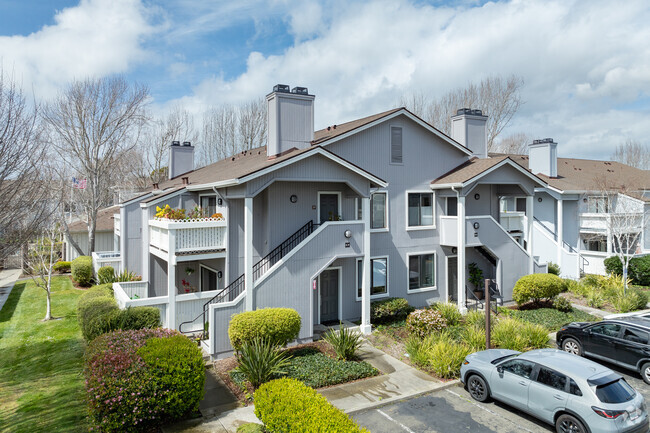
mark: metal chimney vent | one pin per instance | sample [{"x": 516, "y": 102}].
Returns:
[
  {"x": 300, "y": 91},
  {"x": 543, "y": 140},
  {"x": 477, "y": 112},
  {"x": 281, "y": 88},
  {"x": 463, "y": 111},
  {"x": 187, "y": 143},
  {"x": 176, "y": 143}
]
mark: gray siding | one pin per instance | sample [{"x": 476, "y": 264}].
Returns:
[
  {"x": 571, "y": 220},
  {"x": 103, "y": 242},
  {"x": 157, "y": 276},
  {"x": 133, "y": 237}
]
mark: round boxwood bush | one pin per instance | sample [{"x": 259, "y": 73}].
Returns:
[
  {"x": 536, "y": 287},
  {"x": 136, "y": 380},
  {"x": 105, "y": 274},
  {"x": 61, "y": 266},
  {"x": 423, "y": 322},
  {"x": 277, "y": 325},
  {"x": 82, "y": 270}
]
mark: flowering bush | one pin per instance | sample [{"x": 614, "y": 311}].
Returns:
[
  {"x": 180, "y": 214},
  {"x": 424, "y": 322},
  {"x": 139, "y": 379}
]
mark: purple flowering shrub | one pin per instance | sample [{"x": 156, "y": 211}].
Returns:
[
  {"x": 138, "y": 379},
  {"x": 424, "y": 322}
]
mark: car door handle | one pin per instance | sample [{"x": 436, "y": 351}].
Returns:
[
  {"x": 523, "y": 383},
  {"x": 558, "y": 397}
]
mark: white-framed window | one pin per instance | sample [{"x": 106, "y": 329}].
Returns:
[
  {"x": 452, "y": 206},
  {"x": 208, "y": 280},
  {"x": 421, "y": 271},
  {"x": 379, "y": 211},
  {"x": 598, "y": 204},
  {"x": 209, "y": 204},
  {"x": 419, "y": 210},
  {"x": 378, "y": 277},
  {"x": 396, "y": 148},
  {"x": 513, "y": 204},
  {"x": 359, "y": 209}
]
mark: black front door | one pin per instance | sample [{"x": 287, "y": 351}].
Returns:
[
  {"x": 452, "y": 278},
  {"x": 329, "y": 295},
  {"x": 329, "y": 207}
]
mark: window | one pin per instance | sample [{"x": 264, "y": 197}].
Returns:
[
  {"x": 519, "y": 367},
  {"x": 513, "y": 204},
  {"x": 420, "y": 209},
  {"x": 395, "y": 145},
  {"x": 422, "y": 271},
  {"x": 359, "y": 209},
  {"x": 607, "y": 329},
  {"x": 635, "y": 336},
  {"x": 574, "y": 388},
  {"x": 597, "y": 204},
  {"x": 552, "y": 378},
  {"x": 452, "y": 206},
  {"x": 378, "y": 214},
  {"x": 615, "y": 392},
  {"x": 209, "y": 204},
  {"x": 208, "y": 279},
  {"x": 596, "y": 243},
  {"x": 378, "y": 277}
]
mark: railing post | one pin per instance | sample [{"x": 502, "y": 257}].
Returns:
[
  {"x": 171, "y": 280},
  {"x": 248, "y": 252}
]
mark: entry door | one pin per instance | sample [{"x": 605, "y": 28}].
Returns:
[
  {"x": 329, "y": 295},
  {"x": 329, "y": 207},
  {"x": 452, "y": 278}
]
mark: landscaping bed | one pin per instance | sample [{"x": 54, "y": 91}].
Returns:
[
  {"x": 606, "y": 293},
  {"x": 549, "y": 318}
]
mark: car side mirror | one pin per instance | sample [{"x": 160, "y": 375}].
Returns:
[{"x": 500, "y": 369}]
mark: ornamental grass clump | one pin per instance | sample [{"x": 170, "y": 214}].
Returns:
[
  {"x": 449, "y": 312},
  {"x": 510, "y": 333},
  {"x": 424, "y": 322},
  {"x": 345, "y": 342},
  {"x": 260, "y": 360}
]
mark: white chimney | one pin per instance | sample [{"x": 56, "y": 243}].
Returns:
[
  {"x": 181, "y": 158},
  {"x": 542, "y": 157},
  {"x": 290, "y": 119},
  {"x": 469, "y": 128}
]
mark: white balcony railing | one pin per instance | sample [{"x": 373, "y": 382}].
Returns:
[
  {"x": 116, "y": 224},
  {"x": 133, "y": 289},
  {"x": 190, "y": 236},
  {"x": 107, "y": 258},
  {"x": 602, "y": 222},
  {"x": 513, "y": 221}
]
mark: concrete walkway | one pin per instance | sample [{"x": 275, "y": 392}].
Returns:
[
  {"x": 399, "y": 381},
  {"x": 8, "y": 278}
]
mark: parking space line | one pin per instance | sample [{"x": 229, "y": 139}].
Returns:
[{"x": 396, "y": 422}]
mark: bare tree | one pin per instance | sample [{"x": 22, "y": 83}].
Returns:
[
  {"x": 632, "y": 153},
  {"x": 514, "y": 144},
  {"x": 24, "y": 197},
  {"x": 41, "y": 258},
  {"x": 252, "y": 124},
  {"x": 499, "y": 98},
  {"x": 93, "y": 124}
]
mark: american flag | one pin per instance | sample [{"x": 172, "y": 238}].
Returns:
[{"x": 78, "y": 183}]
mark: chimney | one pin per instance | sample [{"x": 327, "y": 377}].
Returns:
[
  {"x": 469, "y": 128},
  {"x": 290, "y": 119},
  {"x": 542, "y": 157},
  {"x": 181, "y": 158}
]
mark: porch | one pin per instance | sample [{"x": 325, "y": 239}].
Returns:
[{"x": 107, "y": 258}]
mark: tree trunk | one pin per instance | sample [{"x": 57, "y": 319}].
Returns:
[{"x": 48, "y": 312}]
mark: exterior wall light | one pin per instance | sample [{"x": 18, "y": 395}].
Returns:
[
  {"x": 476, "y": 225},
  {"x": 293, "y": 198},
  {"x": 220, "y": 201},
  {"x": 539, "y": 199},
  {"x": 219, "y": 274},
  {"x": 454, "y": 250},
  {"x": 477, "y": 196},
  {"x": 347, "y": 234}
]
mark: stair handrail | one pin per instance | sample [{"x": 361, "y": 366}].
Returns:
[{"x": 546, "y": 228}]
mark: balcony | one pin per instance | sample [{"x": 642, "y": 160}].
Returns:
[
  {"x": 107, "y": 258},
  {"x": 182, "y": 237},
  {"x": 602, "y": 222},
  {"x": 116, "y": 224},
  {"x": 513, "y": 221}
]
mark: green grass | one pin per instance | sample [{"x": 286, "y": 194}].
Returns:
[
  {"x": 316, "y": 369},
  {"x": 549, "y": 318},
  {"x": 41, "y": 381}
]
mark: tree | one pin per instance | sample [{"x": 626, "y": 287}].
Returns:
[
  {"x": 499, "y": 98},
  {"x": 24, "y": 196},
  {"x": 633, "y": 154},
  {"x": 41, "y": 258},
  {"x": 93, "y": 125},
  {"x": 514, "y": 144}
]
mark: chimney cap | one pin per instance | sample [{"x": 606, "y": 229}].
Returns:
[
  {"x": 281, "y": 88},
  {"x": 187, "y": 143},
  {"x": 176, "y": 143},
  {"x": 300, "y": 91},
  {"x": 186, "y": 180},
  {"x": 472, "y": 112},
  {"x": 543, "y": 140}
]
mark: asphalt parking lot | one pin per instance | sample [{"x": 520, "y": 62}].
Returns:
[{"x": 453, "y": 410}]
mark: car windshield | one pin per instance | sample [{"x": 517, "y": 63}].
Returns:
[
  {"x": 615, "y": 392},
  {"x": 503, "y": 358}
]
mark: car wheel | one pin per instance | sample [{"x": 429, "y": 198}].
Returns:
[
  {"x": 572, "y": 345},
  {"x": 569, "y": 424},
  {"x": 477, "y": 388},
  {"x": 645, "y": 372}
]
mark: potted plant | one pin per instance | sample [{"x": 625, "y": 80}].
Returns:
[{"x": 476, "y": 279}]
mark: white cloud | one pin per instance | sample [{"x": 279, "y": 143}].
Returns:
[
  {"x": 575, "y": 57},
  {"x": 95, "y": 38}
]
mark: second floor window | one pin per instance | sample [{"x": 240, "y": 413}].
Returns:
[
  {"x": 420, "y": 209},
  {"x": 597, "y": 205},
  {"x": 209, "y": 205},
  {"x": 396, "y": 145},
  {"x": 378, "y": 211}
]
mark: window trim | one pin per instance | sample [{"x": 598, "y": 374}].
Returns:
[
  {"x": 433, "y": 209},
  {"x": 435, "y": 273},
  {"x": 209, "y": 195},
  {"x": 390, "y": 144},
  {"x": 201, "y": 265},
  {"x": 340, "y": 204},
  {"x": 356, "y": 281},
  {"x": 447, "y": 205},
  {"x": 386, "y": 215}
]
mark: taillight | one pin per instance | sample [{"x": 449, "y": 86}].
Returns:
[{"x": 609, "y": 414}]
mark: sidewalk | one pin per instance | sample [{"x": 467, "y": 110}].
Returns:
[
  {"x": 7, "y": 280},
  {"x": 399, "y": 382}
]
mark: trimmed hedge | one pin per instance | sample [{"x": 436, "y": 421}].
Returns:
[
  {"x": 535, "y": 287},
  {"x": 278, "y": 325},
  {"x": 82, "y": 270},
  {"x": 61, "y": 266},
  {"x": 287, "y": 405},
  {"x": 638, "y": 269},
  {"x": 94, "y": 314},
  {"x": 105, "y": 275},
  {"x": 136, "y": 380},
  {"x": 389, "y": 310}
]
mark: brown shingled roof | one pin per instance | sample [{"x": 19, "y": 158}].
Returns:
[
  {"x": 336, "y": 130},
  {"x": 104, "y": 221},
  {"x": 468, "y": 170}
]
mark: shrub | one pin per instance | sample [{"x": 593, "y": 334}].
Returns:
[
  {"x": 61, "y": 267},
  {"x": 447, "y": 355},
  {"x": 418, "y": 350},
  {"x": 251, "y": 427},
  {"x": 592, "y": 280},
  {"x": 279, "y": 325},
  {"x": 553, "y": 268},
  {"x": 550, "y": 318},
  {"x": 389, "y": 310},
  {"x": 536, "y": 287},
  {"x": 475, "y": 319},
  {"x": 131, "y": 318},
  {"x": 638, "y": 269},
  {"x": 474, "y": 337},
  {"x": 93, "y": 314},
  {"x": 614, "y": 266},
  {"x": 423, "y": 322},
  {"x": 105, "y": 275},
  {"x": 137, "y": 379},
  {"x": 260, "y": 360},
  {"x": 595, "y": 298},
  {"x": 510, "y": 333},
  {"x": 573, "y": 286},
  {"x": 562, "y": 304},
  {"x": 287, "y": 405},
  {"x": 632, "y": 300},
  {"x": 345, "y": 342},
  {"x": 99, "y": 291},
  {"x": 449, "y": 312},
  {"x": 82, "y": 270},
  {"x": 126, "y": 276}
]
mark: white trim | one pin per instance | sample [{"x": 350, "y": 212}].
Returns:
[
  {"x": 356, "y": 281},
  {"x": 163, "y": 198},
  {"x": 386, "y": 217},
  {"x": 216, "y": 274},
  {"x": 433, "y": 210},
  {"x": 340, "y": 293},
  {"x": 137, "y": 199},
  {"x": 339, "y": 204},
  {"x": 390, "y": 144},
  {"x": 507, "y": 161},
  {"x": 410, "y": 291},
  {"x": 447, "y": 275}
]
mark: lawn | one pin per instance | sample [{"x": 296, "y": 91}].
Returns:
[{"x": 41, "y": 381}]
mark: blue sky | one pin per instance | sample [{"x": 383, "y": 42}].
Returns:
[{"x": 585, "y": 63}]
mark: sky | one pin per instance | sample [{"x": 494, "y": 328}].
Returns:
[{"x": 585, "y": 64}]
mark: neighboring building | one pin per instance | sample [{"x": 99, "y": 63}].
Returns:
[
  {"x": 326, "y": 221},
  {"x": 106, "y": 237}
]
